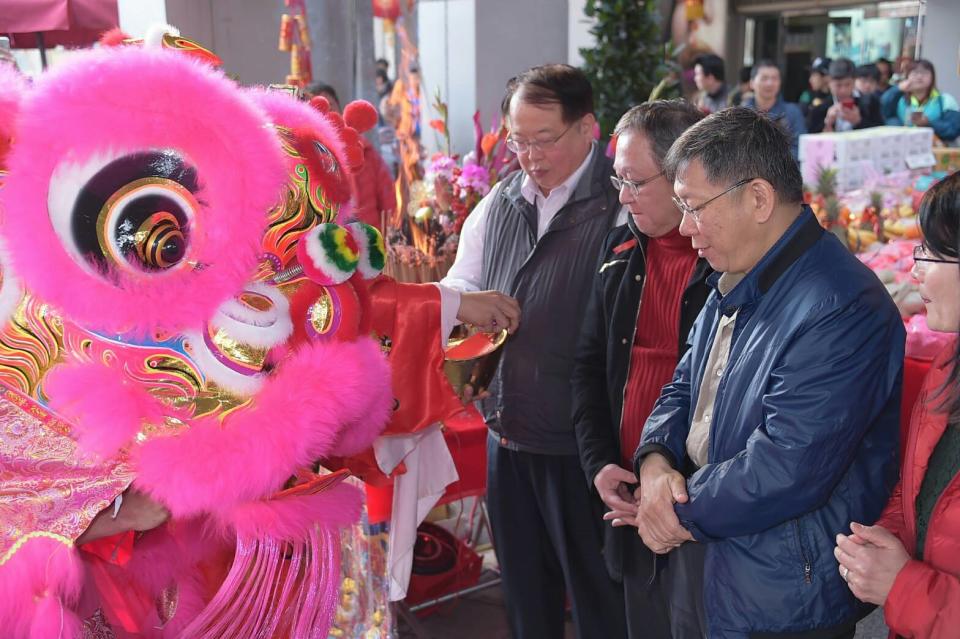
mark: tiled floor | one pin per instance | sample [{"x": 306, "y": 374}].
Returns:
[{"x": 482, "y": 616}]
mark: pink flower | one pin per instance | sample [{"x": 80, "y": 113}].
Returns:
[
  {"x": 476, "y": 177},
  {"x": 442, "y": 165}
]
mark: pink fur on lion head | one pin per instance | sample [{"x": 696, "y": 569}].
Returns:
[
  {"x": 138, "y": 187},
  {"x": 309, "y": 126}
]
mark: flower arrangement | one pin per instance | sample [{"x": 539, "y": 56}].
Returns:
[{"x": 424, "y": 245}]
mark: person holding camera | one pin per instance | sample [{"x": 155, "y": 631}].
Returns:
[{"x": 845, "y": 109}]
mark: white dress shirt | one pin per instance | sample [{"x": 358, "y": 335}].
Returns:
[{"x": 464, "y": 275}]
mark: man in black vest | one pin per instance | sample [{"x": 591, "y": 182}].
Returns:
[{"x": 536, "y": 238}]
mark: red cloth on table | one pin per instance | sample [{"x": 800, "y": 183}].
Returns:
[{"x": 466, "y": 436}]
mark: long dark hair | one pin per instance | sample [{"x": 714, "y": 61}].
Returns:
[{"x": 940, "y": 223}]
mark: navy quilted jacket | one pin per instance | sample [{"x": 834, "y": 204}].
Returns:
[{"x": 803, "y": 438}]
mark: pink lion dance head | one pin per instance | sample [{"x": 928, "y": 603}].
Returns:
[{"x": 148, "y": 349}]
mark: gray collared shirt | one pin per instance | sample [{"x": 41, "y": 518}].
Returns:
[{"x": 698, "y": 438}]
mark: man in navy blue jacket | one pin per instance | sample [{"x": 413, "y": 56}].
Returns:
[{"x": 781, "y": 422}]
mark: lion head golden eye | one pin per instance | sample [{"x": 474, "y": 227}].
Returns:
[
  {"x": 160, "y": 242},
  {"x": 135, "y": 213}
]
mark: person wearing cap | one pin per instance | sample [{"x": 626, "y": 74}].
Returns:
[
  {"x": 817, "y": 91},
  {"x": 845, "y": 109}
]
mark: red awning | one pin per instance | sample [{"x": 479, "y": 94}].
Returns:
[{"x": 66, "y": 22}]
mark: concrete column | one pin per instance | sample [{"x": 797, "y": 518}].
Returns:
[
  {"x": 342, "y": 35},
  {"x": 242, "y": 32},
  {"x": 470, "y": 48},
  {"x": 940, "y": 45},
  {"x": 448, "y": 64},
  {"x": 333, "y": 33},
  {"x": 514, "y": 35},
  {"x": 364, "y": 61}
]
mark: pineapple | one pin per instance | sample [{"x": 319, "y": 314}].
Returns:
[
  {"x": 832, "y": 207},
  {"x": 876, "y": 219},
  {"x": 832, "y": 218},
  {"x": 827, "y": 182}
]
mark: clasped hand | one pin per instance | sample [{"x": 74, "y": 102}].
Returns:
[
  {"x": 650, "y": 508},
  {"x": 870, "y": 560}
]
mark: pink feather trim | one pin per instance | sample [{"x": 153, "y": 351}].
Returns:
[
  {"x": 105, "y": 407},
  {"x": 52, "y": 619},
  {"x": 296, "y": 419},
  {"x": 291, "y": 518},
  {"x": 39, "y": 588}
]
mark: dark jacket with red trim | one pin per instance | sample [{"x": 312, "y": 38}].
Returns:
[{"x": 602, "y": 363}]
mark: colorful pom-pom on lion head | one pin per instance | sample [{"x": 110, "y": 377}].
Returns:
[
  {"x": 329, "y": 254},
  {"x": 373, "y": 252}
]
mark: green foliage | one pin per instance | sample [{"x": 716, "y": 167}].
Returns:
[{"x": 628, "y": 60}]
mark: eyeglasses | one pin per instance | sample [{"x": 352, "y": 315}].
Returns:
[
  {"x": 519, "y": 146},
  {"x": 922, "y": 254},
  {"x": 695, "y": 211},
  {"x": 619, "y": 183}
]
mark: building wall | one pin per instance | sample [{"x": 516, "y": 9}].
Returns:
[
  {"x": 470, "y": 48},
  {"x": 242, "y": 32},
  {"x": 578, "y": 32},
  {"x": 514, "y": 35},
  {"x": 939, "y": 43},
  {"x": 448, "y": 64}
]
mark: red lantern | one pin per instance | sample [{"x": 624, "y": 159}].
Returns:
[{"x": 386, "y": 9}]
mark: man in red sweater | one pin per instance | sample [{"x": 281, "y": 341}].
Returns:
[{"x": 648, "y": 289}]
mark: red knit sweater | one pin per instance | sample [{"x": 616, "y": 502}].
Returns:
[{"x": 670, "y": 263}]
